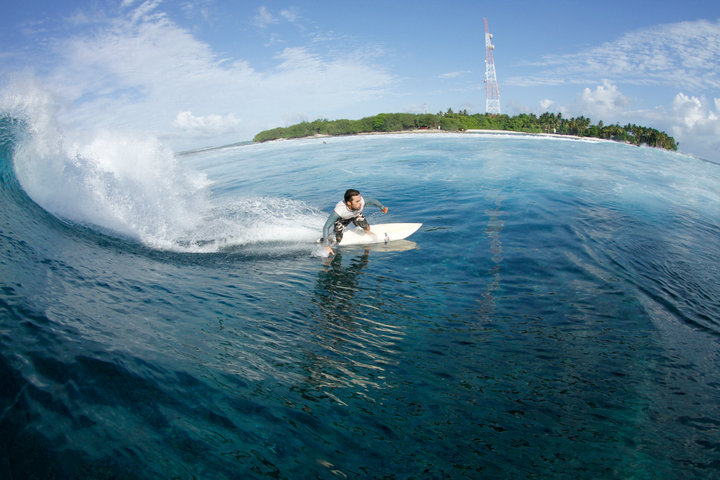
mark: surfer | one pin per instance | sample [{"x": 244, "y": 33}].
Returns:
[{"x": 349, "y": 210}]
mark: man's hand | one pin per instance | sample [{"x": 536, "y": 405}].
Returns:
[{"x": 385, "y": 209}]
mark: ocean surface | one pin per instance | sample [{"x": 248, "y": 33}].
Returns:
[{"x": 168, "y": 315}]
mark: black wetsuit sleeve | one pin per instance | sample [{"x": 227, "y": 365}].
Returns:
[
  {"x": 373, "y": 201},
  {"x": 328, "y": 227}
]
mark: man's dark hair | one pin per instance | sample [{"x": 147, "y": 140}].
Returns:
[{"x": 350, "y": 193}]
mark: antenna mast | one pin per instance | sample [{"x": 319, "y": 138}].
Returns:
[{"x": 492, "y": 93}]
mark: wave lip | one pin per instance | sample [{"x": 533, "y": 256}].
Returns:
[{"x": 133, "y": 186}]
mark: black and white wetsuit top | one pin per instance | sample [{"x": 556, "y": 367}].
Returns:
[{"x": 343, "y": 213}]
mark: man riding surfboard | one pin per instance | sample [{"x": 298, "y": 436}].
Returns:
[{"x": 345, "y": 212}]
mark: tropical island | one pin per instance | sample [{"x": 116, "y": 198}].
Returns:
[{"x": 547, "y": 123}]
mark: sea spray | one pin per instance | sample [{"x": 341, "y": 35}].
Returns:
[
  {"x": 125, "y": 183},
  {"x": 255, "y": 223},
  {"x": 132, "y": 185}
]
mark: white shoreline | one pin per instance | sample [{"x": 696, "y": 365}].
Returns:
[{"x": 558, "y": 136}]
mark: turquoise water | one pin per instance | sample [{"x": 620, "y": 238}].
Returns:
[{"x": 168, "y": 316}]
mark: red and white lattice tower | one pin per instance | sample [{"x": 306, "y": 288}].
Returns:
[{"x": 492, "y": 93}]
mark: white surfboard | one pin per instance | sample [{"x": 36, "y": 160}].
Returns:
[{"x": 379, "y": 233}]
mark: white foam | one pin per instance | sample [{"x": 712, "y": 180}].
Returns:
[
  {"x": 132, "y": 184},
  {"x": 252, "y": 221}
]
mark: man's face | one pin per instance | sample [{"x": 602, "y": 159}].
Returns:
[{"x": 354, "y": 203}]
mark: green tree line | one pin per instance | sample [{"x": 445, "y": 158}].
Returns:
[{"x": 456, "y": 122}]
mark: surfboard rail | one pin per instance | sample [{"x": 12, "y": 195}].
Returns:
[{"x": 379, "y": 233}]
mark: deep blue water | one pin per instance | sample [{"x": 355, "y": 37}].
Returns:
[{"x": 168, "y": 316}]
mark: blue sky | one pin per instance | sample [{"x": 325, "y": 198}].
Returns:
[{"x": 208, "y": 72}]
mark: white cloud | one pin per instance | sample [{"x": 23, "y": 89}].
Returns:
[
  {"x": 691, "y": 113},
  {"x": 696, "y": 124},
  {"x": 209, "y": 125},
  {"x": 546, "y": 104},
  {"x": 138, "y": 71},
  {"x": 275, "y": 39},
  {"x": 682, "y": 55},
  {"x": 693, "y": 121},
  {"x": 143, "y": 12},
  {"x": 299, "y": 59},
  {"x": 454, "y": 74},
  {"x": 605, "y": 102},
  {"x": 290, "y": 15},
  {"x": 264, "y": 18}
]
